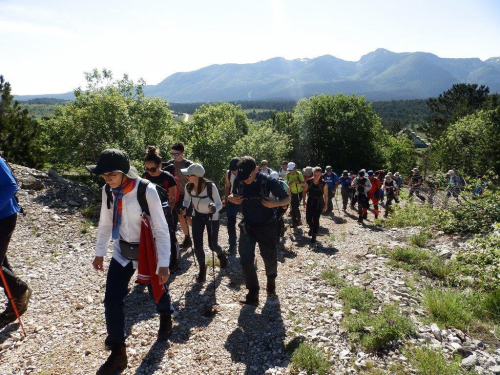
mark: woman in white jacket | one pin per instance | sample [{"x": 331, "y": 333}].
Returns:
[{"x": 121, "y": 223}]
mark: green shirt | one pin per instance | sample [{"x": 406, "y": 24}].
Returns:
[{"x": 290, "y": 178}]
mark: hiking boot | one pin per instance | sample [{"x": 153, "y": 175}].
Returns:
[
  {"x": 271, "y": 287},
  {"x": 250, "y": 300},
  {"x": 9, "y": 315},
  {"x": 187, "y": 242},
  {"x": 232, "y": 249},
  {"x": 165, "y": 330},
  {"x": 360, "y": 221},
  {"x": 222, "y": 260},
  {"x": 310, "y": 232},
  {"x": 202, "y": 276},
  {"x": 313, "y": 238},
  {"x": 116, "y": 362}
]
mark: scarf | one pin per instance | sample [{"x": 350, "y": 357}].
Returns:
[{"x": 118, "y": 193}]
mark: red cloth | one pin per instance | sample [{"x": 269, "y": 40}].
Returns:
[{"x": 148, "y": 260}]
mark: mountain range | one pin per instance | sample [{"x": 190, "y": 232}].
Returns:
[{"x": 379, "y": 75}]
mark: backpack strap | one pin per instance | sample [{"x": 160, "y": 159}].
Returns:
[
  {"x": 210, "y": 191},
  {"x": 141, "y": 195},
  {"x": 109, "y": 195}
]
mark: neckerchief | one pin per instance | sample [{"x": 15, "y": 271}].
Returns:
[{"x": 118, "y": 193}]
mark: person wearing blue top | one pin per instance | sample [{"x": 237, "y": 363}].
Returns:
[
  {"x": 21, "y": 292},
  {"x": 345, "y": 188},
  {"x": 332, "y": 181}
]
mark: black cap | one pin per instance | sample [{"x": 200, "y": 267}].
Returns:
[
  {"x": 233, "y": 164},
  {"x": 245, "y": 167},
  {"x": 113, "y": 160}
]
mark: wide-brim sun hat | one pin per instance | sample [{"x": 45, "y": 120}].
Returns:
[{"x": 113, "y": 160}]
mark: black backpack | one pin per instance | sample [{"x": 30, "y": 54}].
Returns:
[
  {"x": 21, "y": 210},
  {"x": 263, "y": 187}
]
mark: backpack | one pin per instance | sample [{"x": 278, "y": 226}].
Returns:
[
  {"x": 299, "y": 175},
  {"x": 263, "y": 187},
  {"x": 21, "y": 210},
  {"x": 209, "y": 195},
  {"x": 361, "y": 187}
]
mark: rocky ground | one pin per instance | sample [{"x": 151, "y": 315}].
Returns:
[{"x": 53, "y": 248}]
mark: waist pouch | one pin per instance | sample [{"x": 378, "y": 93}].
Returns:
[
  {"x": 203, "y": 217},
  {"x": 129, "y": 250}
]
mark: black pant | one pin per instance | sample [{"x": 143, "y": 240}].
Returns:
[
  {"x": 280, "y": 212},
  {"x": 265, "y": 236},
  {"x": 390, "y": 197},
  {"x": 295, "y": 207},
  {"x": 331, "y": 195},
  {"x": 363, "y": 204},
  {"x": 15, "y": 284},
  {"x": 313, "y": 213},
  {"x": 200, "y": 221},
  {"x": 345, "y": 197}
]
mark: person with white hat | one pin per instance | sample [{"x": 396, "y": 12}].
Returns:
[
  {"x": 296, "y": 182},
  {"x": 390, "y": 187}
]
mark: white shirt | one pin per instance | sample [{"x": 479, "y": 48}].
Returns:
[
  {"x": 130, "y": 227},
  {"x": 367, "y": 186},
  {"x": 201, "y": 204}
]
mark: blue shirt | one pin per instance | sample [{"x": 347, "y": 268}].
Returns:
[
  {"x": 345, "y": 182},
  {"x": 253, "y": 210},
  {"x": 331, "y": 180},
  {"x": 8, "y": 188}
]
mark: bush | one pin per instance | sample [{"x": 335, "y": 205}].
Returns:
[
  {"x": 332, "y": 278},
  {"x": 421, "y": 238},
  {"x": 376, "y": 332},
  {"x": 429, "y": 361},
  {"x": 422, "y": 260},
  {"x": 448, "y": 307},
  {"x": 310, "y": 359},
  {"x": 357, "y": 298},
  {"x": 412, "y": 215}
]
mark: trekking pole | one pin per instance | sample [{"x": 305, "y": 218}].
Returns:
[
  {"x": 192, "y": 249},
  {"x": 11, "y": 299},
  {"x": 336, "y": 202},
  {"x": 211, "y": 245}
]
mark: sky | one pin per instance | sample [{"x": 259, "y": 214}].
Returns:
[{"x": 46, "y": 46}]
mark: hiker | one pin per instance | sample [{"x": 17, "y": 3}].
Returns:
[
  {"x": 399, "y": 180},
  {"x": 251, "y": 190},
  {"x": 361, "y": 186},
  {"x": 295, "y": 180},
  {"x": 352, "y": 190},
  {"x": 432, "y": 186},
  {"x": 380, "y": 175},
  {"x": 154, "y": 173},
  {"x": 374, "y": 192},
  {"x": 479, "y": 188},
  {"x": 204, "y": 196},
  {"x": 9, "y": 208},
  {"x": 231, "y": 209},
  {"x": 345, "y": 188},
  {"x": 179, "y": 163},
  {"x": 283, "y": 170},
  {"x": 280, "y": 211},
  {"x": 122, "y": 222},
  {"x": 416, "y": 184},
  {"x": 390, "y": 187},
  {"x": 307, "y": 172},
  {"x": 264, "y": 169},
  {"x": 317, "y": 196},
  {"x": 332, "y": 181},
  {"x": 453, "y": 185}
]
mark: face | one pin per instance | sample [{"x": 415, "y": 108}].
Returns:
[
  {"x": 317, "y": 174},
  {"x": 152, "y": 168},
  {"x": 113, "y": 179},
  {"x": 292, "y": 171},
  {"x": 263, "y": 166},
  {"x": 329, "y": 172},
  {"x": 250, "y": 178},
  {"x": 177, "y": 155},
  {"x": 192, "y": 178},
  {"x": 235, "y": 171}
]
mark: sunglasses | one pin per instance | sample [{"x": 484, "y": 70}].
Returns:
[
  {"x": 175, "y": 153},
  {"x": 151, "y": 169}
]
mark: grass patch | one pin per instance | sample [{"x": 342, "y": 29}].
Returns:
[
  {"x": 378, "y": 331},
  {"x": 450, "y": 308},
  {"x": 333, "y": 278},
  {"x": 357, "y": 298},
  {"x": 420, "y": 239},
  {"x": 311, "y": 360},
  {"x": 91, "y": 212},
  {"x": 412, "y": 215},
  {"x": 415, "y": 258},
  {"x": 429, "y": 361},
  {"x": 210, "y": 263}
]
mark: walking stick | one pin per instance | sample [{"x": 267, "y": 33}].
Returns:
[
  {"x": 213, "y": 248},
  {"x": 11, "y": 299},
  {"x": 335, "y": 196}
]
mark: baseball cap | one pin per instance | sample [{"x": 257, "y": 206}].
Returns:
[
  {"x": 451, "y": 171},
  {"x": 113, "y": 160},
  {"x": 245, "y": 167},
  {"x": 308, "y": 171},
  {"x": 414, "y": 170},
  {"x": 317, "y": 169},
  {"x": 233, "y": 164},
  {"x": 370, "y": 173},
  {"x": 396, "y": 174},
  {"x": 274, "y": 175},
  {"x": 387, "y": 177},
  {"x": 194, "y": 170},
  {"x": 328, "y": 168},
  {"x": 291, "y": 166}
]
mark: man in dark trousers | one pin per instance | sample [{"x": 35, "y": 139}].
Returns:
[
  {"x": 251, "y": 190},
  {"x": 9, "y": 209}
]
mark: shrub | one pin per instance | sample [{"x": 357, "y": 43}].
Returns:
[
  {"x": 448, "y": 307},
  {"x": 412, "y": 215},
  {"x": 422, "y": 260},
  {"x": 311, "y": 360},
  {"x": 429, "y": 361},
  {"x": 376, "y": 332},
  {"x": 332, "y": 278},
  {"x": 357, "y": 298},
  {"x": 421, "y": 238}
]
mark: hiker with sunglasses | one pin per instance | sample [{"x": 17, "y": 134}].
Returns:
[
  {"x": 154, "y": 173},
  {"x": 205, "y": 198},
  {"x": 123, "y": 223}
]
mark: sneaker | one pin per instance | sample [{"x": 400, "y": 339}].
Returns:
[
  {"x": 222, "y": 260},
  {"x": 116, "y": 362},
  {"x": 9, "y": 315},
  {"x": 187, "y": 242},
  {"x": 313, "y": 238},
  {"x": 202, "y": 276},
  {"x": 252, "y": 301},
  {"x": 165, "y": 330},
  {"x": 360, "y": 221}
]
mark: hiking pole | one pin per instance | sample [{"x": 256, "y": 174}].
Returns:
[
  {"x": 11, "y": 299},
  {"x": 191, "y": 246},
  {"x": 211, "y": 245},
  {"x": 335, "y": 196}
]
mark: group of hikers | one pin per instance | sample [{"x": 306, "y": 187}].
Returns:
[{"x": 140, "y": 215}]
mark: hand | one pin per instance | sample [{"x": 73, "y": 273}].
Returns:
[
  {"x": 223, "y": 203},
  {"x": 324, "y": 208},
  {"x": 268, "y": 202},
  {"x": 163, "y": 274},
  {"x": 211, "y": 209},
  {"x": 304, "y": 204},
  {"x": 236, "y": 198},
  {"x": 97, "y": 263}
]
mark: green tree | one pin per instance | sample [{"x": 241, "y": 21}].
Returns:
[
  {"x": 107, "y": 114},
  {"x": 461, "y": 100},
  {"x": 20, "y": 135},
  {"x": 211, "y": 135},
  {"x": 339, "y": 130},
  {"x": 400, "y": 154},
  {"x": 263, "y": 142}
]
